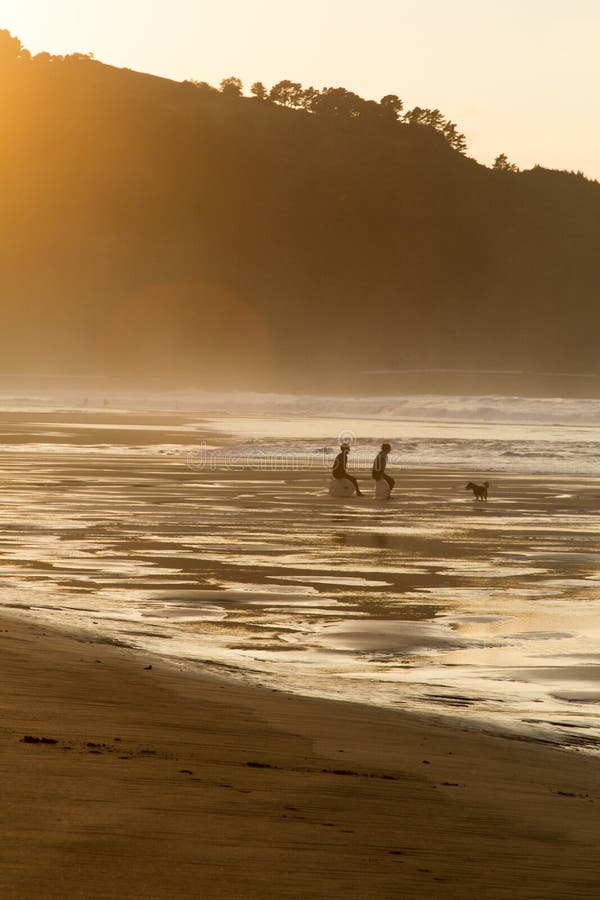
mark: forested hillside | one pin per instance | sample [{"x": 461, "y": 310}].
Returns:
[{"x": 149, "y": 227}]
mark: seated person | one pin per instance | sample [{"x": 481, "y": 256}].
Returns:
[
  {"x": 378, "y": 473},
  {"x": 339, "y": 467}
]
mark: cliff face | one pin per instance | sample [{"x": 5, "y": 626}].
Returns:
[{"x": 151, "y": 227}]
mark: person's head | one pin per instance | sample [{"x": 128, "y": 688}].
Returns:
[
  {"x": 345, "y": 448},
  {"x": 386, "y": 447}
]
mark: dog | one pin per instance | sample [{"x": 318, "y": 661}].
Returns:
[{"x": 480, "y": 491}]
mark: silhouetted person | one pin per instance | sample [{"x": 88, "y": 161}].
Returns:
[
  {"x": 378, "y": 471},
  {"x": 339, "y": 467}
]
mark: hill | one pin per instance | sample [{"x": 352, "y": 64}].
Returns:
[{"x": 155, "y": 228}]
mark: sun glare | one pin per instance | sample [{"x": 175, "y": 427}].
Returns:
[{"x": 32, "y": 22}]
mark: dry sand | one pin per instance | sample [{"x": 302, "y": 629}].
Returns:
[{"x": 167, "y": 784}]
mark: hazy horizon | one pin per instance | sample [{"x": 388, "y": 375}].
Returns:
[{"x": 520, "y": 82}]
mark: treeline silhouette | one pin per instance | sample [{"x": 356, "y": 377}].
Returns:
[
  {"x": 337, "y": 102},
  {"x": 156, "y": 228}
]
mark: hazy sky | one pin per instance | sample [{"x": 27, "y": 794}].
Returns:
[{"x": 518, "y": 76}]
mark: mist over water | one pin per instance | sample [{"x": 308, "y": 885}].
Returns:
[
  {"x": 477, "y": 409},
  {"x": 473, "y": 433}
]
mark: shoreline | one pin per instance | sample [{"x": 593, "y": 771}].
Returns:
[
  {"x": 182, "y": 784},
  {"x": 239, "y": 678},
  {"x": 191, "y": 433},
  {"x": 356, "y": 597}
]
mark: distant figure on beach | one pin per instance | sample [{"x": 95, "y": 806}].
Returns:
[
  {"x": 480, "y": 491},
  {"x": 339, "y": 468},
  {"x": 378, "y": 472}
]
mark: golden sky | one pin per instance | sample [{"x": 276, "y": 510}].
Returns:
[{"x": 518, "y": 76}]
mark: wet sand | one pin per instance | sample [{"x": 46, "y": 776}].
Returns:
[
  {"x": 163, "y": 783},
  {"x": 433, "y": 602},
  {"x": 129, "y": 577}
]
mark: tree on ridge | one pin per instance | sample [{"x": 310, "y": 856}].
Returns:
[
  {"x": 11, "y": 48},
  {"x": 259, "y": 91},
  {"x": 287, "y": 93},
  {"x": 232, "y": 87},
  {"x": 392, "y": 105},
  {"x": 503, "y": 164}
]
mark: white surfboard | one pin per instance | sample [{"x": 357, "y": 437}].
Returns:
[
  {"x": 382, "y": 490},
  {"x": 341, "y": 487}
]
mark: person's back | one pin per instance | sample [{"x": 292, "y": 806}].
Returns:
[
  {"x": 379, "y": 465},
  {"x": 339, "y": 466}
]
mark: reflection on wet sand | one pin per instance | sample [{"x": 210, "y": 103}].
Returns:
[{"x": 429, "y": 602}]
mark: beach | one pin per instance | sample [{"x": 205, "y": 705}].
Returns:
[
  {"x": 164, "y": 533},
  {"x": 220, "y": 681},
  {"x": 167, "y": 784}
]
